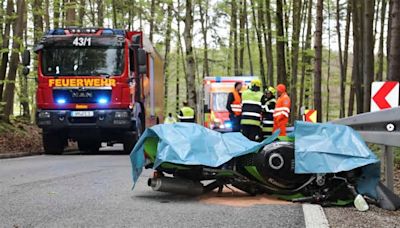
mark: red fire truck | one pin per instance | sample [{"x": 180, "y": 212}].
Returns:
[
  {"x": 97, "y": 85},
  {"x": 216, "y": 90}
]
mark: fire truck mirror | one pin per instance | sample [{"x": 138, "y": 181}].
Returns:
[
  {"x": 142, "y": 57},
  {"x": 136, "y": 39},
  {"x": 26, "y": 58}
]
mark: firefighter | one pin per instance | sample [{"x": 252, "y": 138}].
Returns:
[
  {"x": 268, "y": 102},
  {"x": 282, "y": 110},
  {"x": 234, "y": 106},
  {"x": 186, "y": 113},
  {"x": 251, "y": 111},
  {"x": 170, "y": 119}
]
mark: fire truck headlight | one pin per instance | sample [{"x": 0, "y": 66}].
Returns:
[
  {"x": 44, "y": 115},
  {"x": 102, "y": 100},
  {"x": 61, "y": 101}
]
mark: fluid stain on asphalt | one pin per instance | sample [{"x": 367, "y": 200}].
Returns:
[{"x": 238, "y": 198}]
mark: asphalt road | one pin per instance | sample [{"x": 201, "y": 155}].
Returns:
[{"x": 77, "y": 190}]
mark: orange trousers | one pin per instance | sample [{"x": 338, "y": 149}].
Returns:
[{"x": 281, "y": 125}]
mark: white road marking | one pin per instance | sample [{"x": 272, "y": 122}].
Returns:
[{"x": 314, "y": 216}]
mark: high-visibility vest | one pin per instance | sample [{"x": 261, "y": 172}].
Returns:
[
  {"x": 268, "y": 119},
  {"x": 236, "y": 105},
  {"x": 169, "y": 120},
  {"x": 281, "y": 113},
  {"x": 187, "y": 114},
  {"x": 282, "y": 108},
  {"x": 251, "y": 108}
]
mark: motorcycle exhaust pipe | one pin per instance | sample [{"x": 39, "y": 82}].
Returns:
[{"x": 175, "y": 185}]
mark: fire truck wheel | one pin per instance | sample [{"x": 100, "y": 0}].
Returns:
[
  {"x": 89, "y": 146},
  {"x": 130, "y": 139},
  {"x": 53, "y": 143}
]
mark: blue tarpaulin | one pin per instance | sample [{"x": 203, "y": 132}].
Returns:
[
  {"x": 329, "y": 148},
  {"x": 193, "y": 144},
  {"x": 319, "y": 148}
]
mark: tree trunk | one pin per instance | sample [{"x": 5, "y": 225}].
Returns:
[
  {"x": 166, "y": 54},
  {"x": 242, "y": 44},
  {"x": 23, "y": 80},
  {"x": 306, "y": 59},
  {"x": 295, "y": 56},
  {"x": 268, "y": 43},
  {"x": 81, "y": 12},
  {"x": 190, "y": 64},
  {"x": 204, "y": 29},
  {"x": 100, "y": 13},
  {"x": 8, "y": 98},
  {"x": 345, "y": 59},
  {"x": 235, "y": 37},
  {"x": 259, "y": 39},
  {"x": 389, "y": 36},
  {"x": 151, "y": 20},
  {"x": 46, "y": 14},
  {"x": 114, "y": 13},
  {"x": 248, "y": 39},
  {"x": 2, "y": 19},
  {"x": 280, "y": 45},
  {"x": 286, "y": 12},
  {"x": 318, "y": 60},
  {"x": 6, "y": 42},
  {"x": 70, "y": 19},
  {"x": 368, "y": 53},
  {"x": 56, "y": 13},
  {"x": 358, "y": 54},
  {"x": 328, "y": 76},
  {"x": 379, "y": 76},
  {"x": 341, "y": 64},
  {"x": 394, "y": 57}
]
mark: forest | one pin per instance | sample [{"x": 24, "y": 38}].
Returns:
[{"x": 326, "y": 52}]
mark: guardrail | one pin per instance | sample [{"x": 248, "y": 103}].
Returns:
[{"x": 382, "y": 128}]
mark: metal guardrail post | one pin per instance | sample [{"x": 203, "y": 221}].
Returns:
[{"x": 389, "y": 163}]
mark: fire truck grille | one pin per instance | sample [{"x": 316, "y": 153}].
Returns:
[{"x": 82, "y": 96}]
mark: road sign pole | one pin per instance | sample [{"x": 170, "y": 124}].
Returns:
[{"x": 388, "y": 160}]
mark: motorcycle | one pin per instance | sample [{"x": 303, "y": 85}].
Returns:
[{"x": 268, "y": 168}]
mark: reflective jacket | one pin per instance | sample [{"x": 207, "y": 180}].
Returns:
[
  {"x": 235, "y": 103},
  {"x": 169, "y": 120},
  {"x": 267, "y": 115},
  {"x": 251, "y": 108},
  {"x": 186, "y": 114},
  {"x": 281, "y": 113}
]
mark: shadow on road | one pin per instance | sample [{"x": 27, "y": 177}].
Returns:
[
  {"x": 165, "y": 197},
  {"x": 107, "y": 150}
]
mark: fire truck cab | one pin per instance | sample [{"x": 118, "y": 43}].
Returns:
[
  {"x": 216, "y": 91},
  {"x": 97, "y": 85}
]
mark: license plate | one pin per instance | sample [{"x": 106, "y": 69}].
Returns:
[{"x": 82, "y": 113}]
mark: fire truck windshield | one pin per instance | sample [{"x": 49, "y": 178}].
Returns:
[
  {"x": 219, "y": 101},
  {"x": 82, "y": 61}
]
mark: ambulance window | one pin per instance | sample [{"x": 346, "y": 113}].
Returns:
[{"x": 219, "y": 101}]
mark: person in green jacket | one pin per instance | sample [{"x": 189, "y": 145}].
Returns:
[
  {"x": 251, "y": 111},
  {"x": 170, "y": 119},
  {"x": 186, "y": 113}
]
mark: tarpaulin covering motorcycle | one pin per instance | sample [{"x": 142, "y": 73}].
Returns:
[{"x": 319, "y": 148}]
